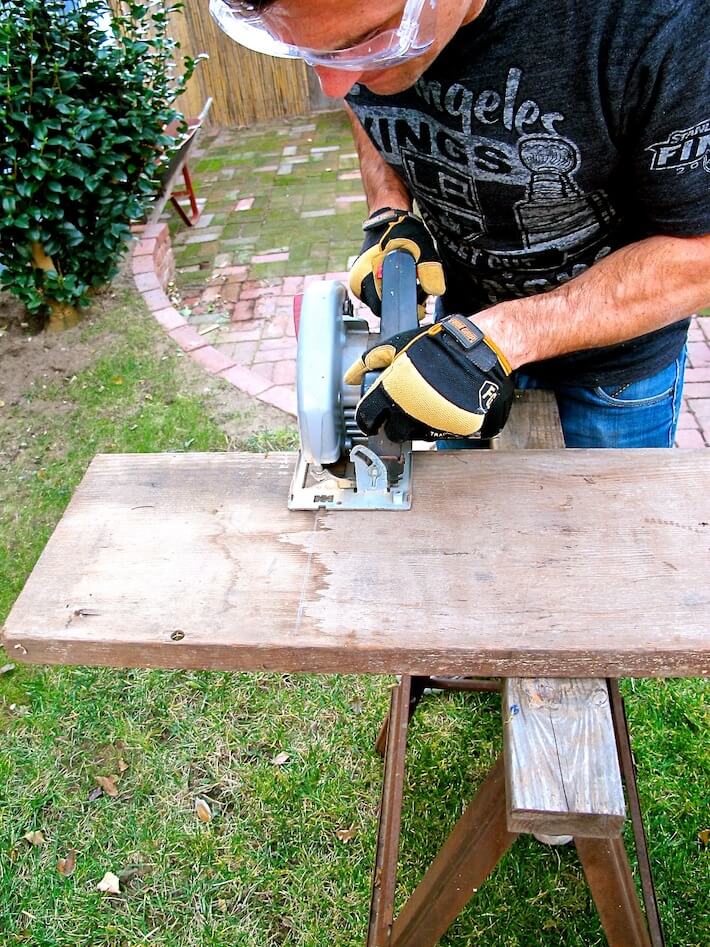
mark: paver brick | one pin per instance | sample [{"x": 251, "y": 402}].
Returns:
[
  {"x": 240, "y": 352},
  {"x": 687, "y": 422},
  {"x": 232, "y": 335},
  {"x": 212, "y": 359},
  {"x": 275, "y": 355},
  {"x": 251, "y": 382},
  {"x": 147, "y": 281},
  {"x": 700, "y": 389},
  {"x": 187, "y": 338},
  {"x": 143, "y": 264},
  {"x": 700, "y": 408},
  {"x": 285, "y": 372},
  {"x": 156, "y": 299},
  {"x": 144, "y": 247},
  {"x": 243, "y": 311},
  {"x": 281, "y": 396},
  {"x": 688, "y": 439},
  {"x": 279, "y": 344},
  {"x": 270, "y": 257},
  {"x": 699, "y": 354},
  {"x": 697, "y": 374}
]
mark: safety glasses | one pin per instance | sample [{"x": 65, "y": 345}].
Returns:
[{"x": 262, "y": 32}]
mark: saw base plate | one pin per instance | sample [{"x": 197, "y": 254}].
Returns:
[{"x": 360, "y": 483}]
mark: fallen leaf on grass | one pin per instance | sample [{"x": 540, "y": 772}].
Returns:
[
  {"x": 122, "y": 766},
  {"x": 108, "y": 784},
  {"x": 109, "y": 883},
  {"x": 117, "y": 380},
  {"x": 204, "y": 813},
  {"x": 346, "y": 835},
  {"x": 95, "y": 793},
  {"x": 280, "y": 759},
  {"x": 704, "y": 836},
  {"x": 35, "y": 838},
  {"x": 66, "y": 866},
  {"x": 6, "y": 668},
  {"x": 356, "y": 707}
]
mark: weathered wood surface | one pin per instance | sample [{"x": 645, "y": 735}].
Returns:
[
  {"x": 561, "y": 765},
  {"x": 534, "y": 423},
  {"x": 571, "y": 563},
  {"x": 562, "y": 771}
]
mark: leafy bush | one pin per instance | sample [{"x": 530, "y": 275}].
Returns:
[{"x": 85, "y": 95}]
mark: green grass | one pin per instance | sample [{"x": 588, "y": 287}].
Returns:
[{"x": 269, "y": 868}]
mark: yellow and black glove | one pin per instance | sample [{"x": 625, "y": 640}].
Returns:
[
  {"x": 447, "y": 379},
  {"x": 389, "y": 229}
]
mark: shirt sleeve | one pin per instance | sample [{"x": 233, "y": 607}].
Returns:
[{"x": 668, "y": 125}]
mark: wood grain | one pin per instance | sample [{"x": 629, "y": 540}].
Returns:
[
  {"x": 562, "y": 771},
  {"x": 566, "y": 563},
  {"x": 534, "y": 423},
  {"x": 561, "y": 765}
]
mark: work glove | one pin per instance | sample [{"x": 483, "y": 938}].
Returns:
[
  {"x": 447, "y": 379},
  {"x": 388, "y": 229}
]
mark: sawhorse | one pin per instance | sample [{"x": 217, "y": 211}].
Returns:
[
  {"x": 558, "y": 775},
  {"x": 194, "y": 561}
]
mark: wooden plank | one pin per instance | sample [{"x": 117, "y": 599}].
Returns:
[
  {"x": 562, "y": 770},
  {"x": 572, "y": 563},
  {"x": 534, "y": 423}
]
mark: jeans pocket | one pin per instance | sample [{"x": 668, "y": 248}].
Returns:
[{"x": 641, "y": 393}]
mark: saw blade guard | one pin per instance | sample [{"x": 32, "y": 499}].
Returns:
[{"x": 323, "y": 347}]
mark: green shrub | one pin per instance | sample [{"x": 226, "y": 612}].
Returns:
[{"x": 85, "y": 95}]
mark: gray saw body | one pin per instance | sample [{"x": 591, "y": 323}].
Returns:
[{"x": 338, "y": 467}]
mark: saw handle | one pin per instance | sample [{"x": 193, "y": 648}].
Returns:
[
  {"x": 399, "y": 313},
  {"x": 399, "y": 294}
]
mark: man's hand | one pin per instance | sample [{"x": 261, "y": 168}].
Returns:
[
  {"x": 388, "y": 229},
  {"x": 447, "y": 379}
]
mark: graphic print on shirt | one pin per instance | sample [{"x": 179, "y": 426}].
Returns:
[
  {"x": 541, "y": 229},
  {"x": 684, "y": 150}
]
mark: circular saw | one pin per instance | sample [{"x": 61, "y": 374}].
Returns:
[{"x": 338, "y": 466}]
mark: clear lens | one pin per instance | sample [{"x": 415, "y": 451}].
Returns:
[{"x": 411, "y": 38}]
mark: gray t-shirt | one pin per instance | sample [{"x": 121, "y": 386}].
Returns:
[{"x": 546, "y": 135}]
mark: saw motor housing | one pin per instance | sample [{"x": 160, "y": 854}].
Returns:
[{"x": 338, "y": 466}]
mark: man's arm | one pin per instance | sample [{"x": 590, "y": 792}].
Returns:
[
  {"x": 638, "y": 288},
  {"x": 383, "y": 186}
]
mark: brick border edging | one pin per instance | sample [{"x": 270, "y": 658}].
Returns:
[{"x": 153, "y": 266}]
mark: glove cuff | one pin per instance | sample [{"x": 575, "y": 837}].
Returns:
[
  {"x": 472, "y": 343},
  {"x": 383, "y": 216}
]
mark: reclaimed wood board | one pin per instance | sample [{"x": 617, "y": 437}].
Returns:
[
  {"x": 561, "y": 767},
  {"x": 572, "y": 563}
]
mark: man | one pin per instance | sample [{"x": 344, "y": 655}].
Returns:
[{"x": 559, "y": 154}]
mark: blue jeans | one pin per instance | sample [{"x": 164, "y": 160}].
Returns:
[{"x": 641, "y": 414}]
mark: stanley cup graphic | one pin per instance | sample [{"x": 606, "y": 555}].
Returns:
[{"x": 555, "y": 212}]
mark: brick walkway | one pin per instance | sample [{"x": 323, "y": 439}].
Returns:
[{"x": 283, "y": 205}]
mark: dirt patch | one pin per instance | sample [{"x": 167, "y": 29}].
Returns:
[{"x": 29, "y": 356}]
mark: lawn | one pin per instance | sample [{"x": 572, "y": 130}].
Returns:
[{"x": 285, "y": 762}]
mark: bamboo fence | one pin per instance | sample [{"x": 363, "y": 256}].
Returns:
[{"x": 246, "y": 87}]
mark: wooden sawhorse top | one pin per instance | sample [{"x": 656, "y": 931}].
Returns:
[{"x": 573, "y": 563}]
